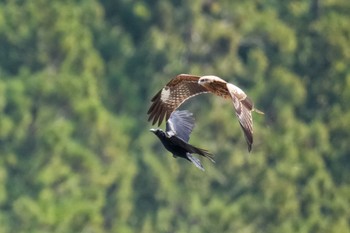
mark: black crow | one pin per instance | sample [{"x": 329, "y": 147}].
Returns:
[{"x": 175, "y": 139}]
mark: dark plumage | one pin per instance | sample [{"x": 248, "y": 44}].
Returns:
[{"x": 175, "y": 138}]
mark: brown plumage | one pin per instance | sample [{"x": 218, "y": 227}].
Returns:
[
  {"x": 177, "y": 91},
  {"x": 185, "y": 86}
]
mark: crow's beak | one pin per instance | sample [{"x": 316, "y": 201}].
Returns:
[{"x": 153, "y": 130}]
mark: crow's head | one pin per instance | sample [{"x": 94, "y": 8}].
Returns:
[{"x": 158, "y": 132}]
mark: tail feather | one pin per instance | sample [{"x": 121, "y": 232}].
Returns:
[
  {"x": 195, "y": 161},
  {"x": 204, "y": 153}
]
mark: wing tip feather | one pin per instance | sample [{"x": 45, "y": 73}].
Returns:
[{"x": 258, "y": 111}]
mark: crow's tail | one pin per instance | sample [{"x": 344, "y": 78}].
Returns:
[
  {"x": 195, "y": 161},
  {"x": 204, "y": 153}
]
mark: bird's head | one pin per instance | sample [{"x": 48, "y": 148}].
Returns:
[
  {"x": 157, "y": 132},
  {"x": 154, "y": 130},
  {"x": 209, "y": 79}
]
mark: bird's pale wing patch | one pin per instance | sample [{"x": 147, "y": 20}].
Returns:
[
  {"x": 178, "y": 90},
  {"x": 181, "y": 123}
]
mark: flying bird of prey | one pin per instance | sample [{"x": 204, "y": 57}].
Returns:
[
  {"x": 185, "y": 86},
  {"x": 175, "y": 138}
]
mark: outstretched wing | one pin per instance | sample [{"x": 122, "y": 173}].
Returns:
[
  {"x": 177, "y": 91},
  {"x": 243, "y": 107},
  {"x": 180, "y": 123}
]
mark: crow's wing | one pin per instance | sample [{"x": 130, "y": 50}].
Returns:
[
  {"x": 169, "y": 98},
  {"x": 181, "y": 124}
]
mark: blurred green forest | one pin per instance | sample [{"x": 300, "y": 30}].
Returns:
[{"x": 76, "y": 79}]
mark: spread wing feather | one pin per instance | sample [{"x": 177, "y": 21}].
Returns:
[
  {"x": 177, "y": 91},
  {"x": 243, "y": 108},
  {"x": 180, "y": 123},
  {"x": 242, "y": 104}
]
